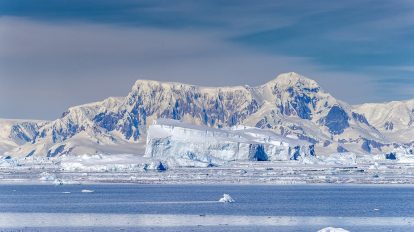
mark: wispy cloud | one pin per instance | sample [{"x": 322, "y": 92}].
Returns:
[
  {"x": 60, "y": 53},
  {"x": 60, "y": 65}
]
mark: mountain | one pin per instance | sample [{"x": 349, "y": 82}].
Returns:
[
  {"x": 291, "y": 105},
  {"x": 395, "y": 120},
  {"x": 14, "y": 133}
]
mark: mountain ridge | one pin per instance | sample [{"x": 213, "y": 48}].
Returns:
[{"x": 290, "y": 104}]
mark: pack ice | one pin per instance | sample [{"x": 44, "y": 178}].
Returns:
[{"x": 182, "y": 144}]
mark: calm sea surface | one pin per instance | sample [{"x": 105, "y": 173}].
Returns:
[{"x": 127, "y": 207}]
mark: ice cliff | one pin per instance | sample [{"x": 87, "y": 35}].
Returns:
[{"x": 185, "y": 144}]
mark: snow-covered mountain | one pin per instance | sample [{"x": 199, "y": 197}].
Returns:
[
  {"x": 291, "y": 105},
  {"x": 395, "y": 120},
  {"x": 14, "y": 133}
]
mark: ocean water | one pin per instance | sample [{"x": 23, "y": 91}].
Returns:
[{"x": 130, "y": 207}]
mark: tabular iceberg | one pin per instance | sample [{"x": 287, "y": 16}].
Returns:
[{"x": 182, "y": 144}]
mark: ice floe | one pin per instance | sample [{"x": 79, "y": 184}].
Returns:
[
  {"x": 87, "y": 191},
  {"x": 332, "y": 229}
]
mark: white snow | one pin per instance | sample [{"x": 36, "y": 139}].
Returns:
[
  {"x": 244, "y": 105},
  {"x": 182, "y": 144},
  {"x": 49, "y": 221},
  {"x": 213, "y": 154},
  {"x": 108, "y": 163},
  {"x": 332, "y": 229},
  {"x": 393, "y": 119},
  {"x": 45, "y": 176},
  {"x": 226, "y": 199},
  {"x": 87, "y": 191}
]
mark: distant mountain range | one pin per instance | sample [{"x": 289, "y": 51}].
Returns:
[{"x": 291, "y": 105}]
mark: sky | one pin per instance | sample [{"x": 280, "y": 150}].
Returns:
[{"x": 56, "y": 54}]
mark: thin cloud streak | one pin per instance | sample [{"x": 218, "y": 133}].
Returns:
[
  {"x": 62, "y": 53},
  {"x": 68, "y": 64}
]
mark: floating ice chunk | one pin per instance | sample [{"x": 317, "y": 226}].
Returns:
[
  {"x": 226, "y": 199},
  {"x": 155, "y": 165},
  {"x": 332, "y": 229},
  {"x": 45, "y": 176},
  {"x": 376, "y": 166},
  {"x": 58, "y": 182},
  {"x": 87, "y": 191}
]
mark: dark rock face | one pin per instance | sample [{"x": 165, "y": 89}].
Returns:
[
  {"x": 30, "y": 153},
  {"x": 341, "y": 149},
  {"x": 307, "y": 138},
  {"x": 60, "y": 134},
  {"x": 391, "y": 156},
  {"x": 24, "y": 132},
  {"x": 17, "y": 132},
  {"x": 360, "y": 118},
  {"x": 57, "y": 151},
  {"x": 301, "y": 103},
  {"x": 106, "y": 120},
  {"x": 367, "y": 145},
  {"x": 130, "y": 127},
  {"x": 389, "y": 126},
  {"x": 326, "y": 143},
  {"x": 336, "y": 120}
]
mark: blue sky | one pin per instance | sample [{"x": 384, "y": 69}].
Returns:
[{"x": 54, "y": 54}]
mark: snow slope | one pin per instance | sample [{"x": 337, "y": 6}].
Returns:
[
  {"x": 395, "y": 120},
  {"x": 290, "y": 105},
  {"x": 14, "y": 133}
]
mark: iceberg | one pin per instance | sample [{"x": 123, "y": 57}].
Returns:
[
  {"x": 87, "y": 191},
  {"x": 227, "y": 199},
  {"x": 183, "y": 144},
  {"x": 45, "y": 176},
  {"x": 332, "y": 229}
]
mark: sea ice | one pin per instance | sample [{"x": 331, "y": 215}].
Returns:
[
  {"x": 45, "y": 176},
  {"x": 87, "y": 191},
  {"x": 227, "y": 199}
]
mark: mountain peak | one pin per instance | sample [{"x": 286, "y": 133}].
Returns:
[
  {"x": 291, "y": 104},
  {"x": 292, "y": 79},
  {"x": 142, "y": 82},
  {"x": 289, "y": 79}
]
